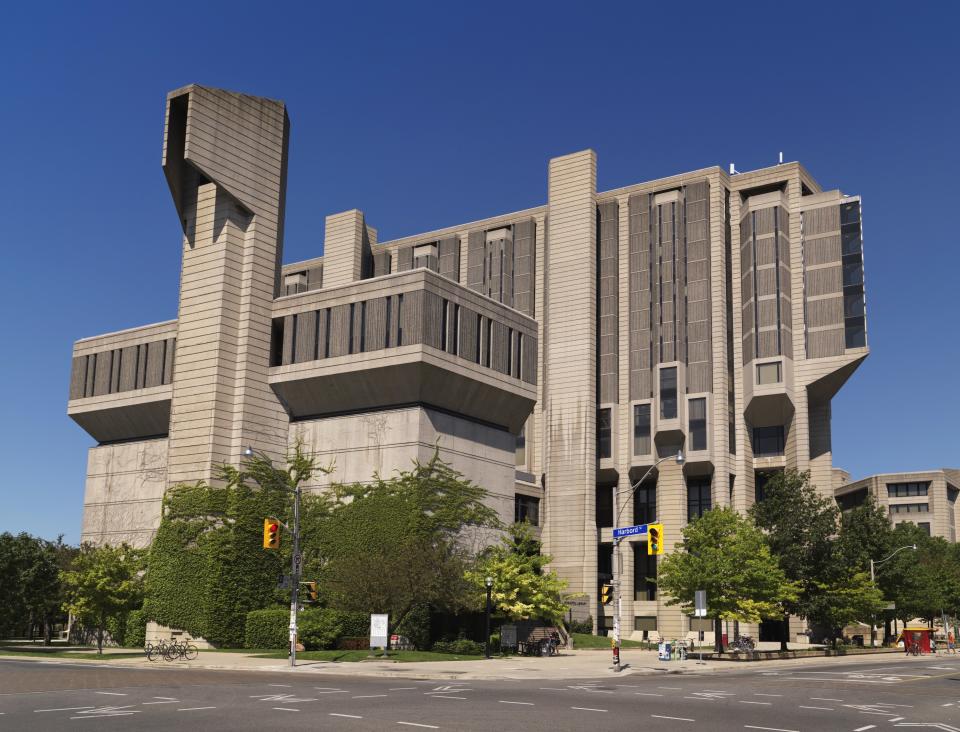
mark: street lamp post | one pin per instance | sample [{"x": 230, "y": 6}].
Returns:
[
  {"x": 486, "y": 644},
  {"x": 296, "y": 565},
  {"x": 617, "y": 569},
  {"x": 873, "y": 581}
]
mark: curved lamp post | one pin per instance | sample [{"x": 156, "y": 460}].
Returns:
[
  {"x": 618, "y": 559},
  {"x": 486, "y": 645},
  {"x": 873, "y": 581}
]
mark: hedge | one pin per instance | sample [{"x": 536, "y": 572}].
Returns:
[
  {"x": 461, "y": 647},
  {"x": 318, "y": 628}
]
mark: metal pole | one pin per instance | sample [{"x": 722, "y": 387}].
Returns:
[
  {"x": 486, "y": 644},
  {"x": 296, "y": 576},
  {"x": 616, "y": 570},
  {"x": 873, "y": 619}
]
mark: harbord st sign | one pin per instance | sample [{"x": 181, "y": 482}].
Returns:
[{"x": 630, "y": 531}]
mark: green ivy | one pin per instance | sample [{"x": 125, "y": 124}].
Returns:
[{"x": 318, "y": 628}]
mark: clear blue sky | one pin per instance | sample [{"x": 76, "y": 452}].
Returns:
[{"x": 425, "y": 116}]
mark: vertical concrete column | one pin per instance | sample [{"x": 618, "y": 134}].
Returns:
[
  {"x": 225, "y": 162},
  {"x": 672, "y": 513},
  {"x": 570, "y": 371},
  {"x": 346, "y": 246}
]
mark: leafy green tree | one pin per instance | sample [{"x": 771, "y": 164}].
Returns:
[
  {"x": 865, "y": 534},
  {"x": 103, "y": 583},
  {"x": 924, "y": 582},
  {"x": 207, "y": 568},
  {"x": 29, "y": 573},
  {"x": 399, "y": 543},
  {"x": 723, "y": 553},
  {"x": 523, "y": 588}
]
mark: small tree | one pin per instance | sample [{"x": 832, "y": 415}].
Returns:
[
  {"x": 723, "y": 553},
  {"x": 522, "y": 586},
  {"x": 102, "y": 584}
]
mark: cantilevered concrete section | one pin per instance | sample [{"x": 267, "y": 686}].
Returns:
[{"x": 553, "y": 353}]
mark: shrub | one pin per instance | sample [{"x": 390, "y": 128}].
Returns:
[
  {"x": 267, "y": 628},
  {"x": 460, "y": 647},
  {"x": 136, "y": 636},
  {"x": 353, "y": 624},
  {"x": 318, "y": 629},
  {"x": 581, "y": 626},
  {"x": 416, "y": 626}
]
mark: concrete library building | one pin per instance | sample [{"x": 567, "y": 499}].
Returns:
[{"x": 555, "y": 354}]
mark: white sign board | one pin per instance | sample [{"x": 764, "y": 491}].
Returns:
[
  {"x": 700, "y": 604},
  {"x": 378, "y": 631}
]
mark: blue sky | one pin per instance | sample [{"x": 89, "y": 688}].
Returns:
[{"x": 429, "y": 115}]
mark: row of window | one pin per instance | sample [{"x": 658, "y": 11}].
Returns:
[
  {"x": 902, "y": 490},
  {"x": 645, "y": 501},
  {"x": 909, "y": 508},
  {"x": 855, "y": 331},
  {"x": 642, "y": 444},
  {"x": 644, "y": 569}
]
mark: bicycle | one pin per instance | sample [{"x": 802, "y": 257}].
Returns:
[
  {"x": 913, "y": 649},
  {"x": 154, "y": 652},
  {"x": 743, "y": 644},
  {"x": 181, "y": 651}
]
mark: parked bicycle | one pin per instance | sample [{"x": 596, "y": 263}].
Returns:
[
  {"x": 155, "y": 651},
  {"x": 743, "y": 644},
  {"x": 173, "y": 651}
]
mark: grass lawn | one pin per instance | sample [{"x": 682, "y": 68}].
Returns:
[
  {"x": 39, "y": 652},
  {"x": 587, "y": 641},
  {"x": 353, "y": 656}
]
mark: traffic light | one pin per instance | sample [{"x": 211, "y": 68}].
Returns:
[
  {"x": 655, "y": 539},
  {"x": 271, "y": 534},
  {"x": 312, "y": 594},
  {"x": 606, "y": 594}
]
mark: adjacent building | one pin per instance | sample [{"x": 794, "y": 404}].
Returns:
[
  {"x": 554, "y": 353},
  {"x": 927, "y": 498}
]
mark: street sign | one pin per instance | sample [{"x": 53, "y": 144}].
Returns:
[
  {"x": 630, "y": 531},
  {"x": 378, "y": 631},
  {"x": 700, "y": 604},
  {"x": 284, "y": 582}
]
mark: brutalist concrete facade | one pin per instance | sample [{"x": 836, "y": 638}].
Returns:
[{"x": 553, "y": 353}]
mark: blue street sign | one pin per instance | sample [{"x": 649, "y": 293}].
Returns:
[{"x": 630, "y": 531}]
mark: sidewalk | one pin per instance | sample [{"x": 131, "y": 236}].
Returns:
[{"x": 568, "y": 665}]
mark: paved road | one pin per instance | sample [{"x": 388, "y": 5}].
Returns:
[{"x": 923, "y": 693}]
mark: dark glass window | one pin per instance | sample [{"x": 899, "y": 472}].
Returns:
[
  {"x": 902, "y": 490},
  {"x": 668, "y": 393},
  {"x": 853, "y": 302},
  {"x": 698, "y": 424},
  {"x": 768, "y": 441},
  {"x": 526, "y": 508},
  {"x": 604, "y": 445},
  {"x": 644, "y": 572},
  {"x": 852, "y": 499},
  {"x": 925, "y": 525},
  {"x": 909, "y": 508},
  {"x": 698, "y": 497},
  {"x": 850, "y": 213},
  {"x": 855, "y": 333},
  {"x": 850, "y": 239},
  {"x": 604, "y": 562},
  {"x": 760, "y": 480},
  {"x": 852, "y": 270},
  {"x": 521, "y": 447},
  {"x": 645, "y": 503},
  {"x": 641, "y": 429},
  {"x": 605, "y": 506}
]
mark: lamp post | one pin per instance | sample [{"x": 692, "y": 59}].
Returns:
[
  {"x": 873, "y": 581},
  {"x": 618, "y": 559},
  {"x": 295, "y": 562},
  {"x": 486, "y": 641}
]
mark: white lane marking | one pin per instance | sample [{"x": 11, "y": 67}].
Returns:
[
  {"x": 171, "y": 701},
  {"x": 334, "y": 688},
  {"x": 286, "y": 685},
  {"x": 766, "y": 704},
  {"x": 948, "y": 704},
  {"x": 526, "y": 704},
  {"x": 62, "y": 709},
  {"x": 101, "y": 716},
  {"x": 671, "y": 688},
  {"x": 864, "y": 729},
  {"x": 701, "y": 698},
  {"x": 416, "y": 724},
  {"x": 110, "y": 693},
  {"x": 402, "y": 688},
  {"x": 646, "y": 693},
  {"x": 679, "y": 719},
  {"x": 168, "y": 698},
  {"x": 444, "y": 696},
  {"x": 550, "y": 688},
  {"x": 824, "y": 698},
  {"x": 896, "y": 719},
  {"x": 758, "y": 694},
  {"x": 368, "y": 696},
  {"x": 588, "y": 709},
  {"x": 771, "y": 729},
  {"x": 348, "y": 716},
  {"x": 196, "y": 709},
  {"x": 823, "y": 709},
  {"x": 337, "y": 691},
  {"x": 281, "y": 709}
]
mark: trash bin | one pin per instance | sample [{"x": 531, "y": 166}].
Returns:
[{"x": 663, "y": 651}]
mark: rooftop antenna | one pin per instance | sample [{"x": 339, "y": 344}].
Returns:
[
  {"x": 733, "y": 170},
  {"x": 781, "y": 159}
]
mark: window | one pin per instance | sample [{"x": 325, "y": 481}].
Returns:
[
  {"x": 645, "y": 503},
  {"x": 852, "y": 252},
  {"x": 925, "y": 525},
  {"x": 698, "y": 497},
  {"x": 852, "y": 499},
  {"x": 903, "y": 490},
  {"x": 399, "y": 320},
  {"x": 389, "y": 303},
  {"x": 444, "y": 324},
  {"x": 644, "y": 572},
  {"x": 526, "y": 508},
  {"x": 768, "y": 373},
  {"x": 760, "y": 480},
  {"x": 698, "y": 424},
  {"x": 604, "y": 562},
  {"x": 645, "y": 623},
  {"x": 521, "y": 449},
  {"x": 768, "y": 441},
  {"x": 668, "y": 393},
  {"x": 604, "y": 446},
  {"x": 641, "y": 429},
  {"x": 605, "y": 506},
  {"x": 899, "y": 508}
]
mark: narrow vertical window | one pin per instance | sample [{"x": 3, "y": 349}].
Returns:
[
  {"x": 389, "y": 303},
  {"x": 604, "y": 442},
  {"x": 326, "y": 335},
  {"x": 521, "y": 448},
  {"x": 489, "y": 342},
  {"x": 455, "y": 350},
  {"x": 519, "y": 355},
  {"x": 641, "y": 429},
  {"x": 668, "y": 393},
  {"x": 350, "y": 328},
  {"x": 509, "y": 352},
  {"x": 698, "y": 497},
  {"x": 444, "y": 307},
  {"x": 400, "y": 319},
  {"x": 698, "y": 424},
  {"x": 479, "y": 339},
  {"x": 363, "y": 326}
]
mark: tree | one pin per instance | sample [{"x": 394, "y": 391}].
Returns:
[
  {"x": 207, "y": 568},
  {"x": 29, "y": 574},
  {"x": 725, "y": 554},
  {"x": 401, "y": 542},
  {"x": 865, "y": 534},
  {"x": 800, "y": 526},
  {"x": 522, "y": 586},
  {"x": 102, "y": 583}
]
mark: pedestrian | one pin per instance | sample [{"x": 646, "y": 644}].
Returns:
[
  {"x": 933, "y": 645},
  {"x": 951, "y": 643}
]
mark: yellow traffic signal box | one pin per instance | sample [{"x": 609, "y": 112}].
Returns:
[
  {"x": 271, "y": 534},
  {"x": 655, "y": 539}
]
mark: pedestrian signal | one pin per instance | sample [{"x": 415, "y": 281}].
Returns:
[
  {"x": 606, "y": 594},
  {"x": 312, "y": 594},
  {"x": 655, "y": 539},
  {"x": 271, "y": 534}
]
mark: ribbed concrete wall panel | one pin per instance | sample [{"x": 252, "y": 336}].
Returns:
[{"x": 449, "y": 258}]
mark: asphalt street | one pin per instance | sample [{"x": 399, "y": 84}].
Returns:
[{"x": 922, "y": 693}]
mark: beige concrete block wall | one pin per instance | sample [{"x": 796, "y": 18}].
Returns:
[
  {"x": 124, "y": 491},
  {"x": 343, "y": 248}
]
